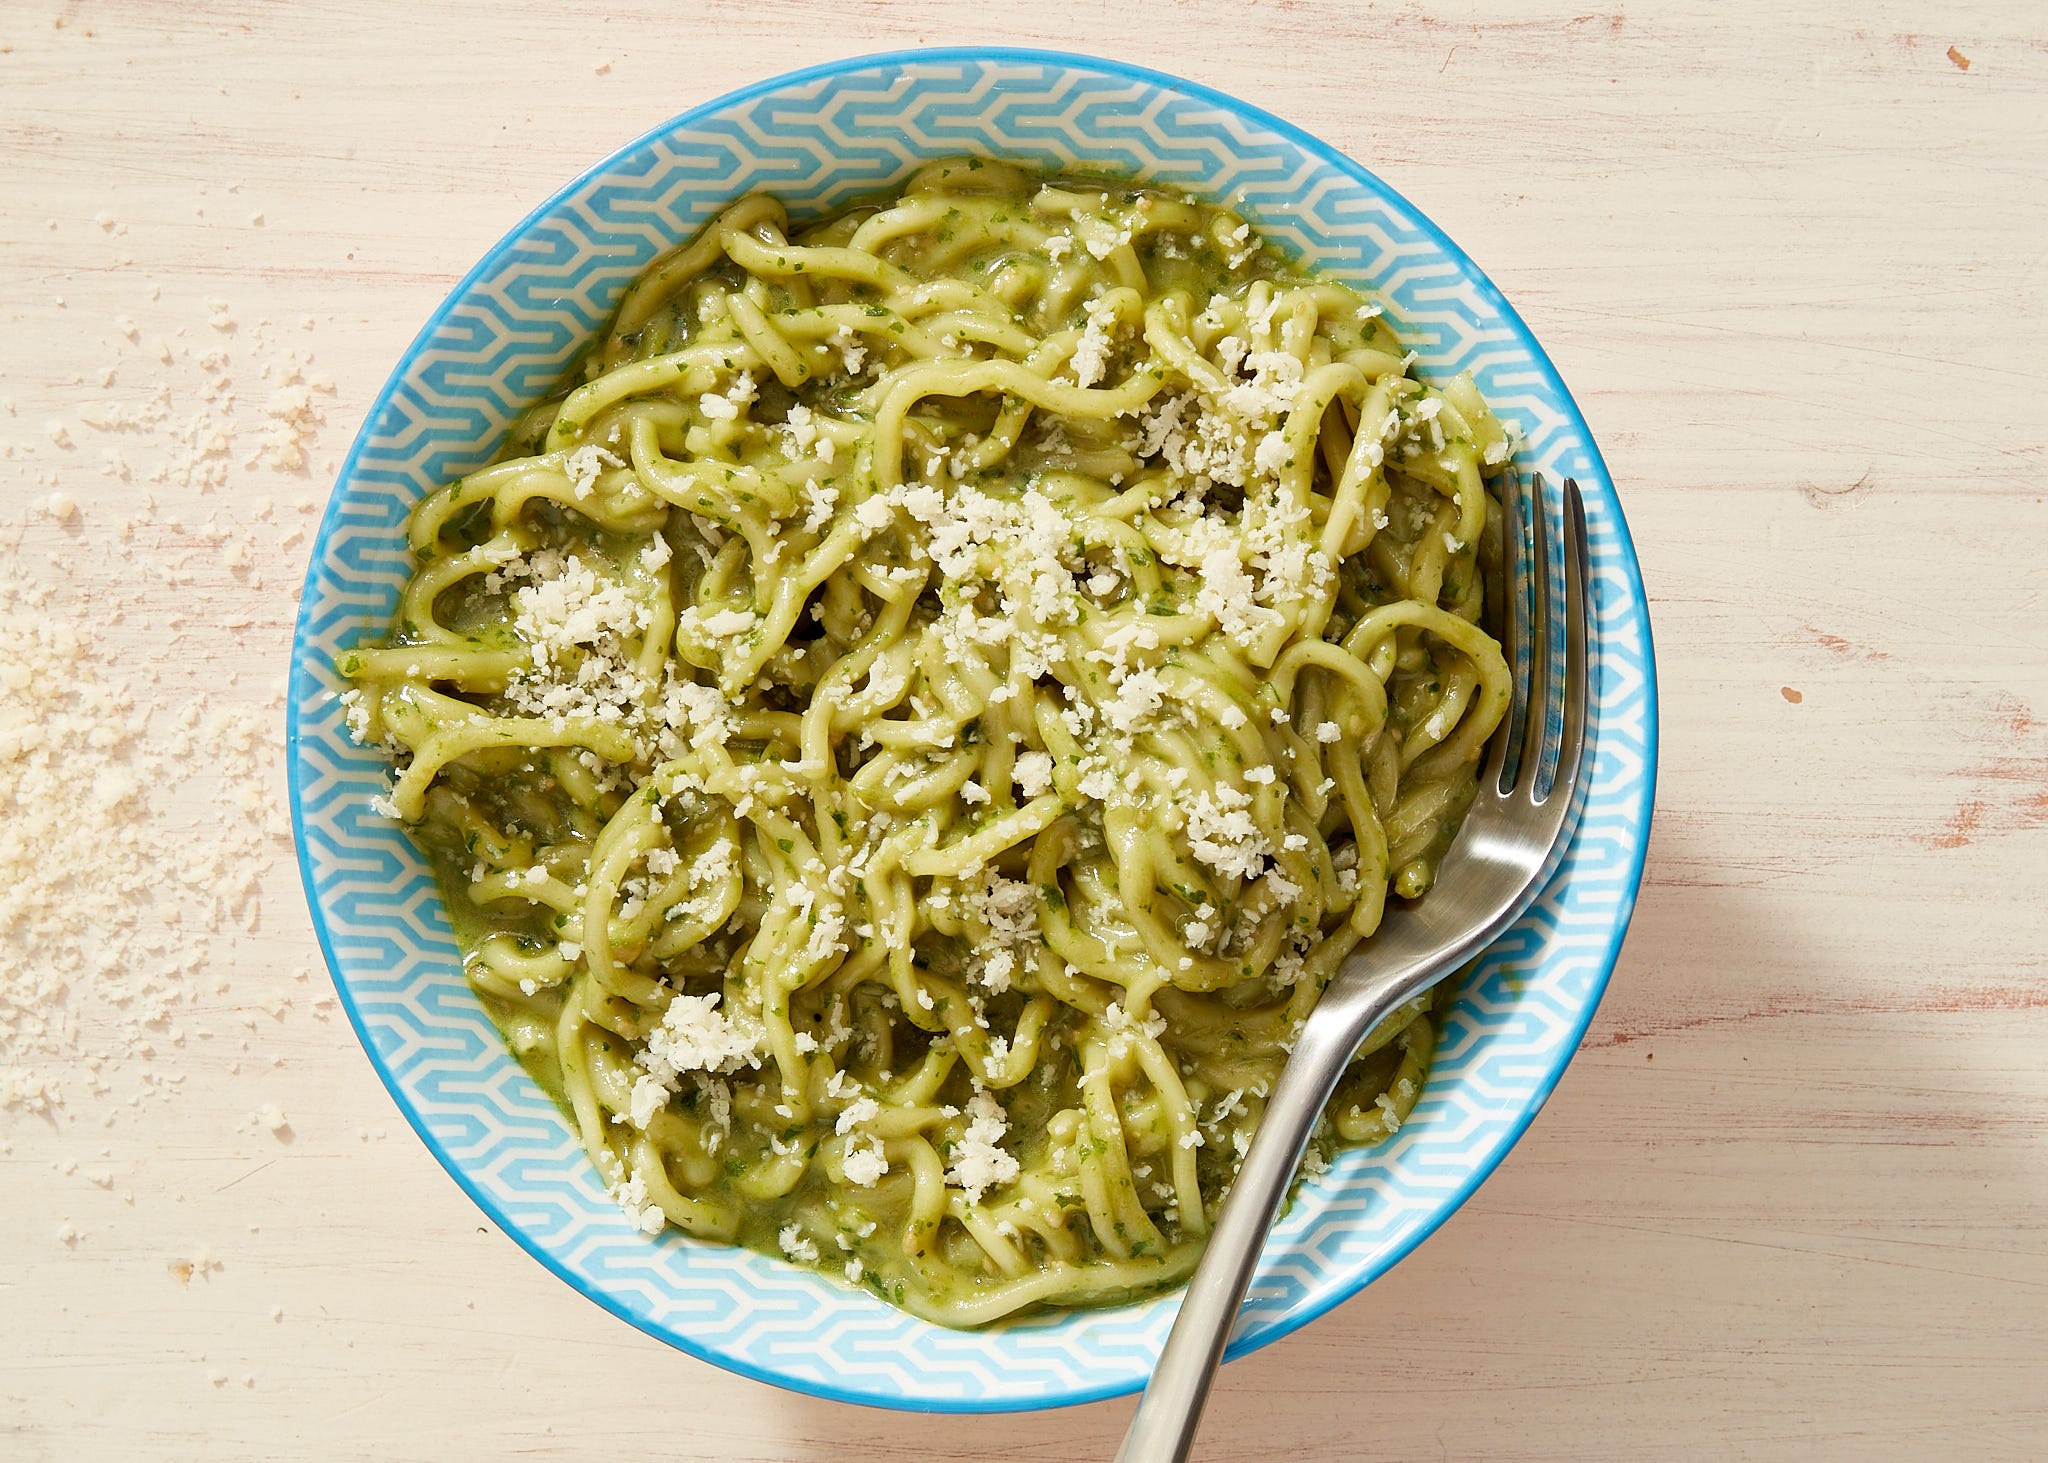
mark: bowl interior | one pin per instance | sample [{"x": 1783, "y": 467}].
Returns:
[{"x": 819, "y": 138}]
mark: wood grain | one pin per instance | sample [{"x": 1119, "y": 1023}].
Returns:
[{"x": 1791, "y": 1201}]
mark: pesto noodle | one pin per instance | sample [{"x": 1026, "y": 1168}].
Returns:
[{"x": 909, "y": 729}]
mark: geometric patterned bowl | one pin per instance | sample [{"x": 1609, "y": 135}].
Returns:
[{"x": 818, "y": 138}]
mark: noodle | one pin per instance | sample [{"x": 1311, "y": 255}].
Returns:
[{"x": 907, "y": 732}]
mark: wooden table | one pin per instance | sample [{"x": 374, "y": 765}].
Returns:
[{"x": 1791, "y": 1201}]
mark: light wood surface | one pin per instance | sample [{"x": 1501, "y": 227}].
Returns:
[{"x": 1790, "y": 1201}]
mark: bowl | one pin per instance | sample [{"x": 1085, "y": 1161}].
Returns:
[{"x": 819, "y": 138}]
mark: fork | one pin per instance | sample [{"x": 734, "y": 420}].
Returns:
[{"x": 1513, "y": 838}]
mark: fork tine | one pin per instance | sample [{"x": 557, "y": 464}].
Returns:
[
  {"x": 1535, "y": 734},
  {"x": 1499, "y": 772},
  {"x": 1578, "y": 591}
]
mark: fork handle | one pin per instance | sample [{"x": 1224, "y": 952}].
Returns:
[{"x": 1163, "y": 1431}]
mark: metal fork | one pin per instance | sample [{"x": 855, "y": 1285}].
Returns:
[{"x": 1512, "y": 840}]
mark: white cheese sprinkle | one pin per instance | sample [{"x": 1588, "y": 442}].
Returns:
[{"x": 979, "y": 1162}]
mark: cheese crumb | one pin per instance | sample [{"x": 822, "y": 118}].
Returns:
[
  {"x": 1033, "y": 774},
  {"x": 1091, "y": 352},
  {"x": 631, "y": 1196},
  {"x": 866, "y": 1166},
  {"x": 694, "y": 1036},
  {"x": 1222, "y": 834},
  {"x": 860, "y": 1110},
  {"x": 585, "y": 463},
  {"x": 797, "y": 1245},
  {"x": 979, "y": 1162}
]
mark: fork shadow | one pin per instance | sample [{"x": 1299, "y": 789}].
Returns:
[
  {"x": 1674, "y": 1240},
  {"x": 1348, "y": 1384}
]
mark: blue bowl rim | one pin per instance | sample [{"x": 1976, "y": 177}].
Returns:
[{"x": 1330, "y": 157}]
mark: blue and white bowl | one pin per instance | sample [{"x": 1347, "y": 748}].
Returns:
[{"x": 819, "y": 138}]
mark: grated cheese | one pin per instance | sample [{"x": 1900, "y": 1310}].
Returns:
[
  {"x": 979, "y": 1161},
  {"x": 866, "y": 1166},
  {"x": 694, "y": 1036}
]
